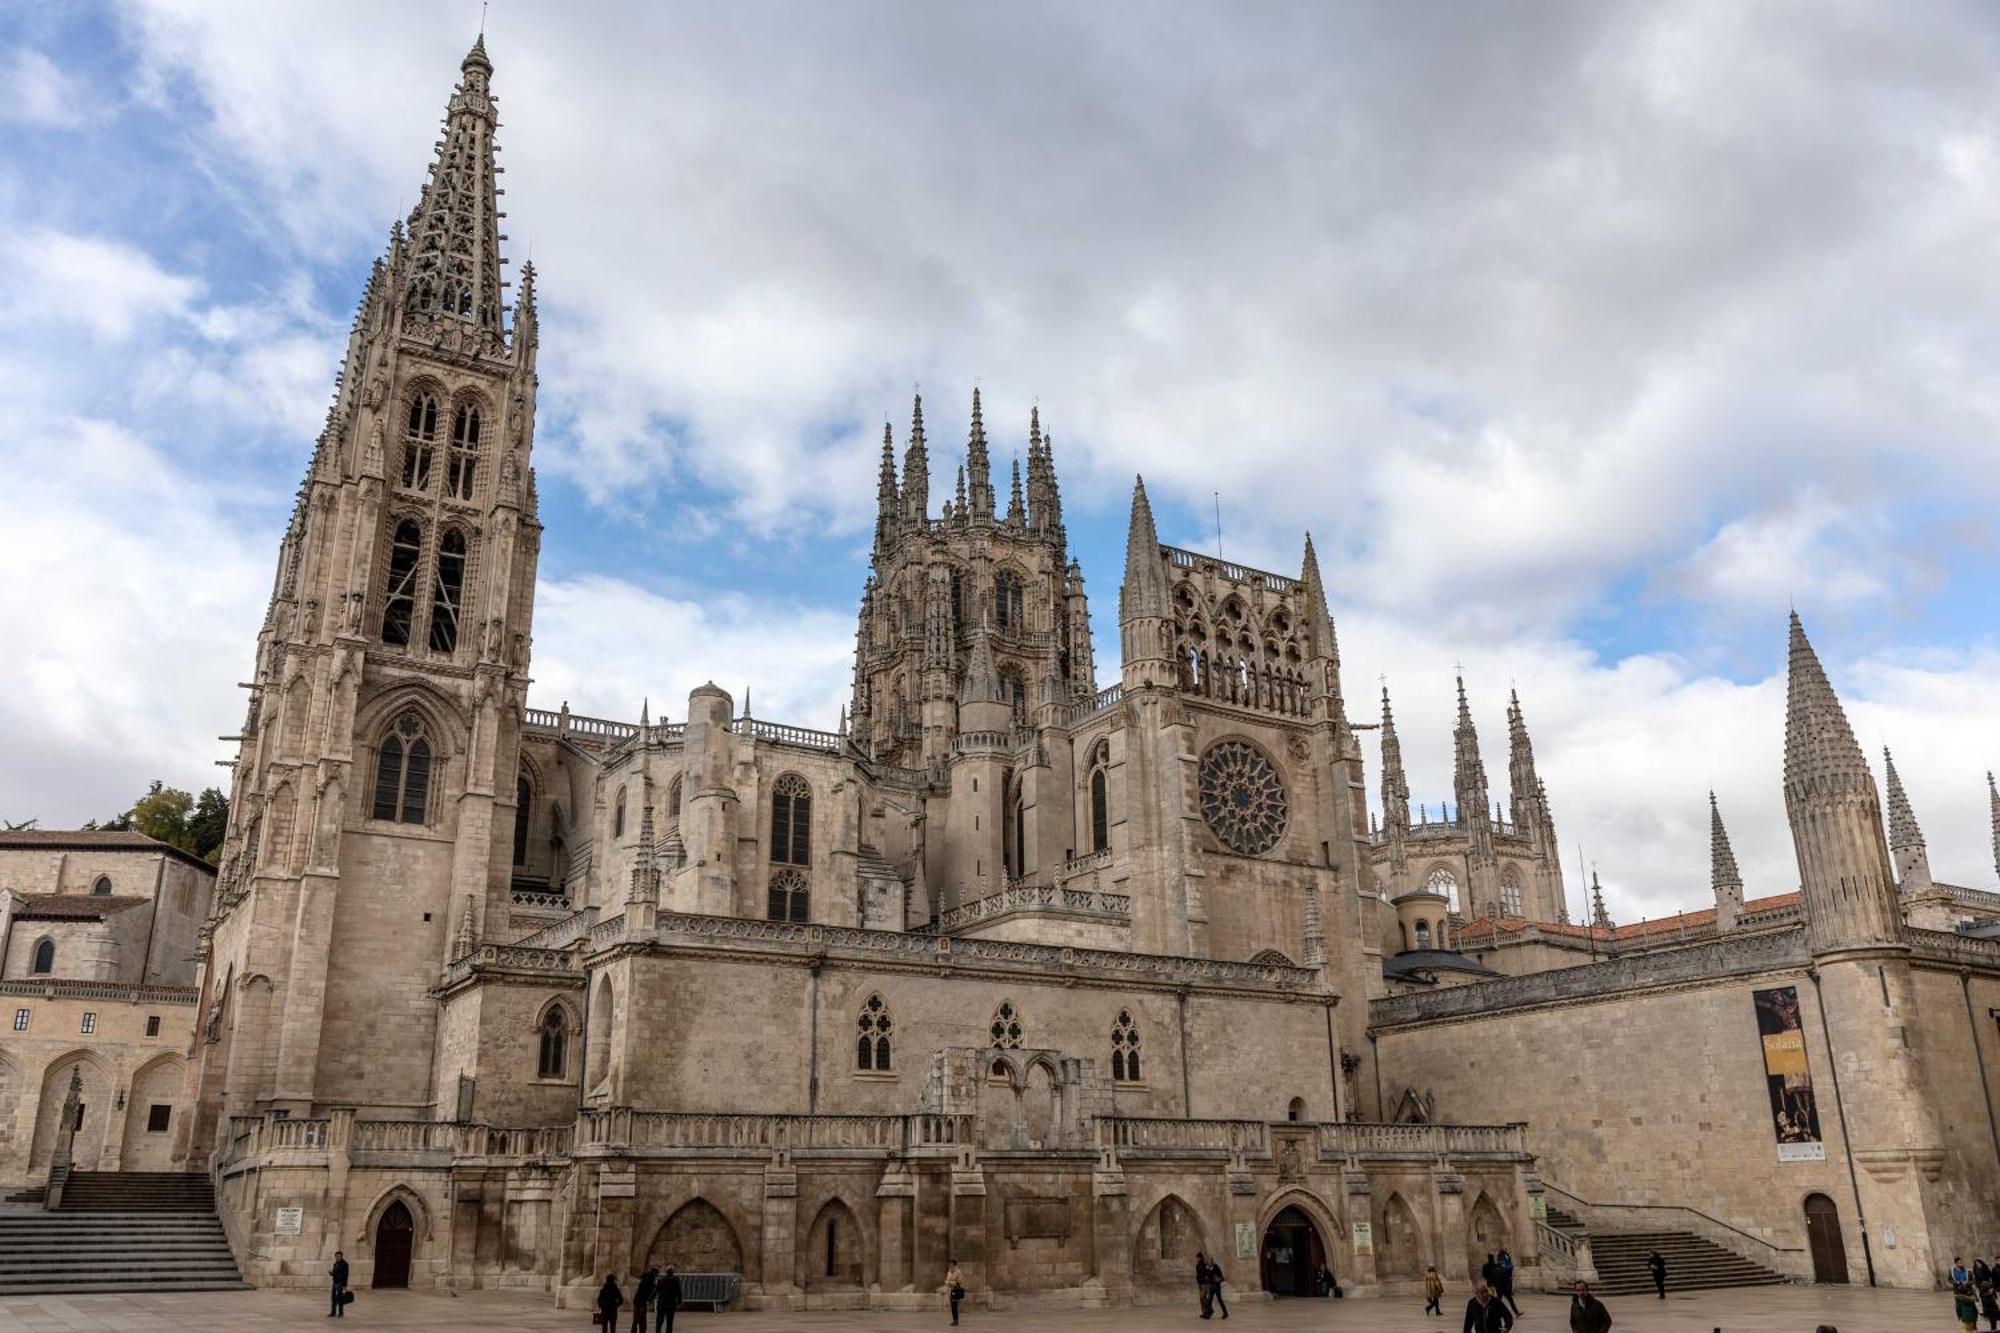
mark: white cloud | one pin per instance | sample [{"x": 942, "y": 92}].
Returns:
[
  {"x": 50, "y": 277},
  {"x": 35, "y": 91}
]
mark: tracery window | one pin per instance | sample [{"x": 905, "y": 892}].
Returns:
[
  {"x": 1016, "y": 691},
  {"x": 419, "y": 442},
  {"x": 1006, "y": 1026},
  {"x": 1242, "y": 797},
  {"x": 523, "y": 804},
  {"x": 102, "y": 888},
  {"x": 1423, "y": 935},
  {"x": 791, "y": 822},
  {"x": 1125, "y": 1049},
  {"x": 552, "y": 1060},
  {"x": 403, "y": 772},
  {"x": 45, "y": 958},
  {"x": 871, "y": 1047},
  {"x": 1510, "y": 892},
  {"x": 1100, "y": 802},
  {"x": 447, "y": 592},
  {"x": 790, "y": 898},
  {"x": 618, "y": 814},
  {"x": 464, "y": 456},
  {"x": 399, "y": 605},
  {"x": 1008, "y": 603},
  {"x": 1443, "y": 882},
  {"x": 674, "y": 801}
]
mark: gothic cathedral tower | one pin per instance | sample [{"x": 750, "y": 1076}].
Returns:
[{"x": 373, "y": 792}]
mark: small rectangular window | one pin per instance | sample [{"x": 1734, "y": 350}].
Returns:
[
  {"x": 157, "y": 1116},
  {"x": 152, "y": 1025},
  {"x": 90, "y": 1022},
  {"x": 20, "y": 1020}
]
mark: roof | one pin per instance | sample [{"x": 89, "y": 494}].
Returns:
[
  {"x": 72, "y": 906},
  {"x": 1411, "y": 961},
  {"x": 1487, "y": 930},
  {"x": 94, "y": 840}
]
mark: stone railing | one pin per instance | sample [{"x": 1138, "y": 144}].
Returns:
[
  {"x": 969, "y": 742},
  {"x": 1228, "y": 569},
  {"x": 779, "y": 733},
  {"x": 1077, "y": 865},
  {"x": 1727, "y": 956},
  {"x": 1141, "y": 1134},
  {"x": 565, "y": 723},
  {"x": 1387, "y": 1140},
  {"x": 441, "y": 1140},
  {"x": 46, "y": 988},
  {"x": 1949, "y": 945},
  {"x": 934, "y": 950},
  {"x": 514, "y": 958},
  {"x": 1980, "y": 898},
  {"x": 403, "y": 1136},
  {"x": 1038, "y": 898},
  {"x": 1565, "y": 1256},
  {"x": 540, "y": 900},
  {"x": 623, "y": 1127}
]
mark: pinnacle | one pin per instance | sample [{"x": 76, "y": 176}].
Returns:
[
  {"x": 477, "y": 55},
  {"x": 1721, "y": 857},
  {"x": 982, "y": 677},
  {"x": 1145, "y": 590},
  {"x": 1819, "y": 743},
  {"x": 1903, "y": 830}
]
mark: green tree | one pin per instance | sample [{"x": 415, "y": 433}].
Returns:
[
  {"x": 163, "y": 813},
  {"x": 208, "y": 823}
]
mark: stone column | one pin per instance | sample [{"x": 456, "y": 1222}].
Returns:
[
  {"x": 1360, "y": 1210},
  {"x": 780, "y": 1227},
  {"x": 895, "y": 1199},
  {"x": 1111, "y": 1230},
  {"x": 1448, "y": 1230},
  {"x": 968, "y": 1223}
]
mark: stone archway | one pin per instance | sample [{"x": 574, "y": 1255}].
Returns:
[
  {"x": 832, "y": 1256},
  {"x": 395, "y": 1240},
  {"x": 1399, "y": 1248},
  {"x": 697, "y": 1239},
  {"x": 1168, "y": 1240},
  {"x": 1292, "y": 1253},
  {"x": 87, "y": 1148},
  {"x": 1485, "y": 1233},
  {"x": 150, "y": 1110}
]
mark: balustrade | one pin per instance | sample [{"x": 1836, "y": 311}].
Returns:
[{"x": 1237, "y": 1137}]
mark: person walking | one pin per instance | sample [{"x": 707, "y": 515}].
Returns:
[
  {"x": 1981, "y": 1273},
  {"x": 1965, "y": 1308},
  {"x": 954, "y": 1288},
  {"x": 1504, "y": 1289},
  {"x": 1215, "y": 1281},
  {"x": 666, "y": 1300},
  {"x": 642, "y": 1298},
  {"x": 1485, "y": 1314},
  {"x": 1489, "y": 1273},
  {"x": 1201, "y": 1284},
  {"x": 1989, "y": 1305},
  {"x": 339, "y": 1275},
  {"x": 609, "y": 1299},
  {"x": 1586, "y": 1313},
  {"x": 1960, "y": 1275},
  {"x": 1433, "y": 1292},
  {"x": 1658, "y": 1268}
]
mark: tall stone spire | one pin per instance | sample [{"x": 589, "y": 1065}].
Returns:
[
  {"x": 645, "y": 889},
  {"x": 978, "y": 467},
  {"x": 1145, "y": 627},
  {"x": 1323, "y": 646},
  {"x": 1044, "y": 494},
  {"x": 1395, "y": 786},
  {"x": 1598, "y": 916},
  {"x": 1523, "y": 787},
  {"x": 454, "y": 239},
  {"x": 917, "y": 468},
  {"x": 887, "y": 498},
  {"x": 1906, "y": 840},
  {"x": 1836, "y": 817},
  {"x": 1993, "y": 817},
  {"x": 1468, "y": 770},
  {"x": 1724, "y": 878},
  {"x": 1017, "y": 514},
  {"x": 982, "y": 676}
]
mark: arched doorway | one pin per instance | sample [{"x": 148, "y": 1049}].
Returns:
[
  {"x": 1292, "y": 1255},
  {"x": 1829, "y": 1251},
  {"x": 1485, "y": 1233},
  {"x": 394, "y": 1235},
  {"x": 697, "y": 1239}
]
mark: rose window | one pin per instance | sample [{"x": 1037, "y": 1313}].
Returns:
[{"x": 1242, "y": 797}]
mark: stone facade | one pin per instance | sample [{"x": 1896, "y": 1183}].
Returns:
[{"x": 1059, "y": 981}]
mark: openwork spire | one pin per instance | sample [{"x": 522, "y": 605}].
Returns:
[
  {"x": 1598, "y": 916},
  {"x": 917, "y": 467},
  {"x": 1144, "y": 594},
  {"x": 1821, "y": 753},
  {"x": 1903, "y": 830},
  {"x": 645, "y": 888},
  {"x": 887, "y": 498},
  {"x": 1722, "y": 872},
  {"x": 978, "y": 467},
  {"x": 1319, "y": 621},
  {"x": 454, "y": 237},
  {"x": 1017, "y": 514},
  {"x": 1468, "y": 770},
  {"x": 1395, "y": 786}
]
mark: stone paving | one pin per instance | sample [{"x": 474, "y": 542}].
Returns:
[{"x": 1749, "y": 1310}]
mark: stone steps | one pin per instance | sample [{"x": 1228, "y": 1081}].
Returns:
[
  {"x": 1693, "y": 1264},
  {"x": 150, "y": 1245},
  {"x": 137, "y": 1191}
]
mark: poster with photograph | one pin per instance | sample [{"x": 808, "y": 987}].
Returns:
[{"x": 1794, "y": 1109}]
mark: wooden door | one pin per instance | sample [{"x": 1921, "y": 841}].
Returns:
[
  {"x": 393, "y": 1237},
  {"x": 1829, "y": 1251}
]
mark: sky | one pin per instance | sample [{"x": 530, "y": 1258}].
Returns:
[{"x": 1586, "y": 339}]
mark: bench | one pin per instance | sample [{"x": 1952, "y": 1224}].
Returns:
[{"x": 715, "y": 1290}]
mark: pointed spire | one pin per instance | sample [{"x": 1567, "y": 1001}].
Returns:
[
  {"x": 1468, "y": 770},
  {"x": 1993, "y": 815},
  {"x": 455, "y": 227},
  {"x": 917, "y": 467},
  {"x": 1144, "y": 593},
  {"x": 1903, "y": 830},
  {"x": 646, "y": 711},
  {"x": 982, "y": 677},
  {"x": 1725, "y": 880},
  {"x": 1598, "y": 916},
  {"x": 645, "y": 890},
  {"x": 958, "y": 508},
  {"x": 1395, "y": 786},
  {"x": 1017, "y": 514},
  {"x": 888, "y": 499},
  {"x": 1820, "y": 750},
  {"x": 978, "y": 467},
  {"x": 1319, "y": 621},
  {"x": 1524, "y": 787}
]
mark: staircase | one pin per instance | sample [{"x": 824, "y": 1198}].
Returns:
[
  {"x": 1693, "y": 1264},
  {"x": 120, "y": 1231}
]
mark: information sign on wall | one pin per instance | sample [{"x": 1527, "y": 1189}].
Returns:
[
  {"x": 291, "y": 1221},
  {"x": 1364, "y": 1238},
  {"x": 1246, "y": 1241},
  {"x": 1787, "y": 1079}
]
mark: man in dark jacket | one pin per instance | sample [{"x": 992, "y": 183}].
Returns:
[
  {"x": 609, "y": 1299},
  {"x": 1503, "y": 1268},
  {"x": 1215, "y": 1281},
  {"x": 1658, "y": 1268},
  {"x": 642, "y": 1298},
  {"x": 1201, "y": 1284},
  {"x": 1489, "y": 1273},
  {"x": 1586, "y": 1313},
  {"x": 667, "y": 1297},
  {"x": 1485, "y": 1314},
  {"x": 339, "y": 1275}
]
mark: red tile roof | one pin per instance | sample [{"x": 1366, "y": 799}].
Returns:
[{"x": 1488, "y": 930}]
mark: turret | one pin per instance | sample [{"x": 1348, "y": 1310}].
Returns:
[
  {"x": 709, "y": 801},
  {"x": 1836, "y": 817},
  {"x": 1144, "y": 617},
  {"x": 1906, "y": 840},
  {"x": 982, "y": 704},
  {"x": 1724, "y": 878}
]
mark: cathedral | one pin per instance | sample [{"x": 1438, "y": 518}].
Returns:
[{"x": 1058, "y": 977}]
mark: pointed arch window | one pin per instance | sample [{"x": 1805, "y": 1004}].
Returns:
[
  {"x": 1008, "y": 602},
  {"x": 552, "y": 1057},
  {"x": 1100, "y": 799},
  {"x": 523, "y": 806},
  {"x": 1423, "y": 935},
  {"x": 464, "y": 456},
  {"x": 399, "y": 604},
  {"x": 448, "y": 592},
  {"x": 44, "y": 961},
  {"x": 790, "y": 897},
  {"x": 403, "y": 773},
  {"x": 791, "y": 822},
  {"x": 1005, "y": 1028},
  {"x": 419, "y": 442},
  {"x": 871, "y": 1047},
  {"x": 102, "y": 888},
  {"x": 1125, "y": 1049},
  {"x": 1016, "y": 691},
  {"x": 1510, "y": 892},
  {"x": 618, "y": 815},
  {"x": 674, "y": 802}
]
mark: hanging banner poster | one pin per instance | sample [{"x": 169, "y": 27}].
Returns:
[{"x": 1794, "y": 1109}]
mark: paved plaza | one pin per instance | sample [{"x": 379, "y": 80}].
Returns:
[{"x": 1747, "y": 1310}]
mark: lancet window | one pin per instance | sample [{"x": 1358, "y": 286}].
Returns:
[
  {"x": 523, "y": 806},
  {"x": 399, "y": 603},
  {"x": 790, "y": 898},
  {"x": 1009, "y": 605},
  {"x": 1510, "y": 892},
  {"x": 45, "y": 958},
  {"x": 552, "y": 1059},
  {"x": 419, "y": 442},
  {"x": 871, "y": 1046},
  {"x": 1125, "y": 1048},
  {"x": 448, "y": 592},
  {"x": 618, "y": 814},
  {"x": 1100, "y": 800},
  {"x": 791, "y": 821},
  {"x": 403, "y": 772},
  {"x": 464, "y": 456}
]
